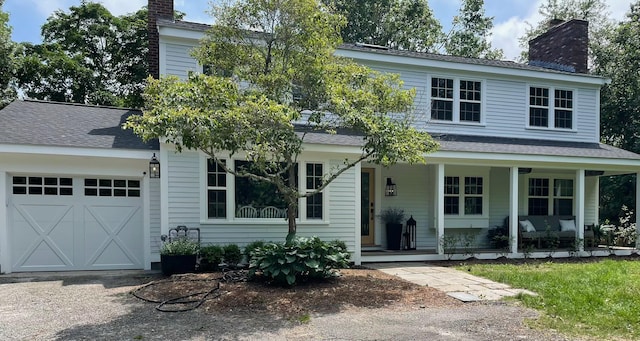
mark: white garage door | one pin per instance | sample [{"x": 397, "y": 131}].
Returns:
[{"x": 64, "y": 223}]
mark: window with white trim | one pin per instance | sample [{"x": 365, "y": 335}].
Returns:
[
  {"x": 456, "y": 100},
  {"x": 466, "y": 202},
  {"x": 216, "y": 190},
  {"x": 543, "y": 200},
  {"x": 550, "y": 108},
  {"x": 314, "y": 181}
]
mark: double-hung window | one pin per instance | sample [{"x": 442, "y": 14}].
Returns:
[
  {"x": 468, "y": 201},
  {"x": 551, "y": 108},
  {"x": 216, "y": 190},
  {"x": 456, "y": 100},
  {"x": 314, "y": 181},
  {"x": 544, "y": 199}
]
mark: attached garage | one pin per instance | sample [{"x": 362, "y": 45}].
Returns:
[
  {"x": 91, "y": 208},
  {"x": 74, "y": 223}
]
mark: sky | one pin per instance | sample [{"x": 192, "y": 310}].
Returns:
[{"x": 511, "y": 17}]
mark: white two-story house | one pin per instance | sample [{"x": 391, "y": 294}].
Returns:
[{"x": 515, "y": 140}]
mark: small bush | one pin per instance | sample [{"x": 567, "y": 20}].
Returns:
[
  {"x": 232, "y": 254},
  {"x": 303, "y": 259},
  {"x": 252, "y": 246},
  {"x": 212, "y": 255}
]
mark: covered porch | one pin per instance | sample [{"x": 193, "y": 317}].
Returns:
[{"x": 474, "y": 207}]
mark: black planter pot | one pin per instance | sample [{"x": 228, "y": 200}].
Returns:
[
  {"x": 177, "y": 264},
  {"x": 394, "y": 236}
]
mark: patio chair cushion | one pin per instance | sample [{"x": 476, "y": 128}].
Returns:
[{"x": 567, "y": 225}]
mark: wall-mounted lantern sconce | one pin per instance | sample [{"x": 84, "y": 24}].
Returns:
[
  {"x": 154, "y": 167},
  {"x": 390, "y": 189}
]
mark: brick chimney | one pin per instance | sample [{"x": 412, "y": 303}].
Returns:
[
  {"x": 564, "y": 46},
  {"x": 158, "y": 9}
]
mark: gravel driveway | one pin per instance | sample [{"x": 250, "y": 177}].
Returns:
[{"x": 99, "y": 307}]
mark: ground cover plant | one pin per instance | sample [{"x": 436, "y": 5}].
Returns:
[{"x": 599, "y": 299}]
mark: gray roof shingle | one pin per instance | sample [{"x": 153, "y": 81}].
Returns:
[
  {"x": 421, "y": 55},
  {"x": 44, "y": 123},
  {"x": 500, "y": 145}
]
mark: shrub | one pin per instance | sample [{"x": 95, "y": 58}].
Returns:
[
  {"x": 232, "y": 254},
  {"x": 180, "y": 247},
  {"x": 302, "y": 259},
  {"x": 211, "y": 256},
  {"x": 252, "y": 246}
]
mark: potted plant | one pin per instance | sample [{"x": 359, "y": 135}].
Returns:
[
  {"x": 178, "y": 256},
  {"x": 393, "y": 219}
]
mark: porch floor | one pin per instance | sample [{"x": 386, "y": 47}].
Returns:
[{"x": 373, "y": 256}]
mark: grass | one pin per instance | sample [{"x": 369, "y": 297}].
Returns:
[{"x": 599, "y": 299}]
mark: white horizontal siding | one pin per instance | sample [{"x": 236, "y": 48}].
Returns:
[
  {"x": 505, "y": 106},
  {"x": 184, "y": 192},
  {"x": 179, "y": 61}
]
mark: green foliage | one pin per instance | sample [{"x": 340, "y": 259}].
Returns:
[
  {"x": 292, "y": 70},
  {"x": 232, "y": 254},
  {"x": 7, "y": 59},
  {"x": 180, "y": 247},
  {"x": 596, "y": 300},
  {"x": 301, "y": 260},
  {"x": 624, "y": 233},
  {"x": 212, "y": 255},
  {"x": 392, "y": 215},
  {"x": 470, "y": 33},
  {"x": 399, "y": 24},
  {"x": 87, "y": 56},
  {"x": 252, "y": 246}
]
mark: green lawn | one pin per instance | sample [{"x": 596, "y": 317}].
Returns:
[{"x": 599, "y": 299}]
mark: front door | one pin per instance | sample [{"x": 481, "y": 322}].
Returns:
[{"x": 367, "y": 206}]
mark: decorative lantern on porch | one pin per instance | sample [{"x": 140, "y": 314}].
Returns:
[{"x": 410, "y": 234}]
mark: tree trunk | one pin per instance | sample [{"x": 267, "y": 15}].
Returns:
[{"x": 292, "y": 206}]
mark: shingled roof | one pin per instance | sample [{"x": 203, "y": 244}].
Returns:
[
  {"x": 500, "y": 145},
  {"x": 44, "y": 123},
  {"x": 192, "y": 26}
]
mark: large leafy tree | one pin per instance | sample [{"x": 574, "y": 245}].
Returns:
[
  {"x": 7, "y": 50},
  {"x": 275, "y": 80},
  {"x": 620, "y": 112},
  {"x": 470, "y": 32},
  {"x": 87, "y": 56},
  {"x": 398, "y": 24}
]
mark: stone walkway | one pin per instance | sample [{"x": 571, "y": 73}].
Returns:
[{"x": 455, "y": 283}]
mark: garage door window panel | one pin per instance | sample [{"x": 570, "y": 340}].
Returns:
[
  {"x": 35, "y": 185},
  {"x": 111, "y": 187}
]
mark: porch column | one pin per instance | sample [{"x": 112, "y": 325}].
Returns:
[
  {"x": 439, "y": 209},
  {"x": 579, "y": 206},
  {"x": 637, "y": 210},
  {"x": 513, "y": 209},
  {"x": 357, "y": 252}
]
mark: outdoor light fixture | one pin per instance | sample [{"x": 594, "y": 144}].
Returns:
[
  {"x": 154, "y": 167},
  {"x": 390, "y": 189}
]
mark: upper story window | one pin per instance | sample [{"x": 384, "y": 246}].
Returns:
[
  {"x": 456, "y": 100},
  {"x": 550, "y": 108}
]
